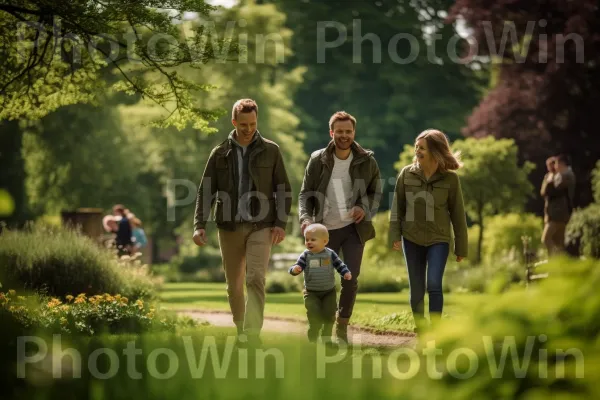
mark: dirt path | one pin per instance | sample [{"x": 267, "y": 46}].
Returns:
[{"x": 285, "y": 325}]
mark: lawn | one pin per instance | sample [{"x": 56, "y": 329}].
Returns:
[{"x": 390, "y": 311}]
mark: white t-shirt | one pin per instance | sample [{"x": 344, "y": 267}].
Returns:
[{"x": 338, "y": 195}]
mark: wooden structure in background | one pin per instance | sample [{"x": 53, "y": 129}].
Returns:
[{"x": 87, "y": 220}]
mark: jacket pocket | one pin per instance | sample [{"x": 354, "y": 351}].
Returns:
[
  {"x": 224, "y": 177},
  {"x": 440, "y": 194}
]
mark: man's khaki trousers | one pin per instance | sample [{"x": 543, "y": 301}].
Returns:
[{"x": 245, "y": 254}]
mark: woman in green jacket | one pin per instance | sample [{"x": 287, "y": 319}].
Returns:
[{"x": 427, "y": 208}]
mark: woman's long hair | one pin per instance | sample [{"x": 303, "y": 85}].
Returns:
[{"x": 439, "y": 148}]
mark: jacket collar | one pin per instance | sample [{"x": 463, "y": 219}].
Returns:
[
  {"x": 416, "y": 169},
  {"x": 357, "y": 150},
  {"x": 257, "y": 142}
]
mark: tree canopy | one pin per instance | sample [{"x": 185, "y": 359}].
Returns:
[
  {"x": 547, "y": 89},
  {"x": 54, "y": 53}
]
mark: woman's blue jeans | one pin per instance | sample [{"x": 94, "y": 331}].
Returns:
[{"x": 425, "y": 262}]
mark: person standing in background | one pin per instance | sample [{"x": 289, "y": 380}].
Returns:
[
  {"x": 123, "y": 239},
  {"x": 558, "y": 190}
]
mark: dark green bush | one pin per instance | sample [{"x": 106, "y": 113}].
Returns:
[
  {"x": 61, "y": 261},
  {"x": 583, "y": 230}
]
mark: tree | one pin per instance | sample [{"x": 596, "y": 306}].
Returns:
[
  {"x": 94, "y": 156},
  {"x": 95, "y": 165},
  {"x": 370, "y": 73},
  {"x": 54, "y": 54},
  {"x": 182, "y": 156},
  {"x": 12, "y": 178},
  {"x": 491, "y": 179},
  {"x": 547, "y": 89}
]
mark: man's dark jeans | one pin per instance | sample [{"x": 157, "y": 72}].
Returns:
[
  {"x": 347, "y": 240},
  {"x": 422, "y": 262}
]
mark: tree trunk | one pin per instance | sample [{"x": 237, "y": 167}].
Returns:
[{"x": 13, "y": 175}]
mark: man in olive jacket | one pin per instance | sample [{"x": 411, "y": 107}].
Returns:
[
  {"x": 341, "y": 190},
  {"x": 246, "y": 178}
]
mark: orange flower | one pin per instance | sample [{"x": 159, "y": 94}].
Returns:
[{"x": 54, "y": 302}]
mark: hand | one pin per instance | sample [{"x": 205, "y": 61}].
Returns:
[
  {"x": 347, "y": 276},
  {"x": 297, "y": 269},
  {"x": 277, "y": 235},
  {"x": 459, "y": 258},
  {"x": 199, "y": 237},
  {"x": 357, "y": 214},
  {"x": 304, "y": 225},
  {"x": 396, "y": 245}
]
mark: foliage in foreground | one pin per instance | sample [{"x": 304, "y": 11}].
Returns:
[
  {"x": 87, "y": 316},
  {"x": 548, "y": 333}
]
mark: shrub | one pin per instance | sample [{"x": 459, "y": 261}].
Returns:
[
  {"x": 209, "y": 257},
  {"x": 596, "y": 182},
  {"x": 170, "y": 273},
  {"x": 372, "y": 279},
  {"x": 583, "y": 230},
  {"x": 377, "y": 278},
  {"x": 502, "y": 235},
  {"x": 62, "y": 261},
  {"x": 87, "y": 315},
  {"x": 283, "y": 282},
  {"x": 560, "y": 312},
  {"x": 496, "y": 277},
  {"x": 378, "y": 250}
]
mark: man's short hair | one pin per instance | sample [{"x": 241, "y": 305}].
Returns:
[
  {"x": 119, "y": 208},
  {"x": 341, "y": 116},
  {"x": 318, "y": 229},
  {"x": 563, "y": 159},
  {"x": 243, "y": 106}
]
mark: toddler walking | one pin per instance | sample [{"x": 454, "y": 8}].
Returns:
[{"x": 318, "y": 263}]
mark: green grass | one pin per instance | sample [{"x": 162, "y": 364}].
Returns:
[{"x": 390, "y": 311}]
